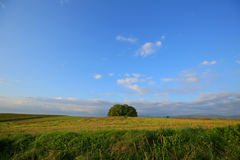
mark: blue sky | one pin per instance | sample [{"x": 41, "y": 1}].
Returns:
[{"x": 81, "y": 57}]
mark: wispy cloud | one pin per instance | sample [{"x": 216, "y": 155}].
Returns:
[
  {"x": 97, "y": 76},
  {"x": 109, "y": 94},
  {"x": 134, "y": 88},
  {"x": 188, "y": 73},
  {"x": 226, "y": 103},
  {"x": 2, "y": 5},
  {"x": 182, "y": 89},
  {"x": 137, "y": 75},
  {"x": 238, "y": 62},
  {"x": 64, "y": 106},
  {"x": 127, "y": 39},
  {"x": 148, "y": 48},
  {"x": 127, "y": 81},
  {"x": 238, "y": 72},
  {"x": 5, "y": 82},
  {"x": 187, "y": 82},
  {"x": 207, "y": 103},
  {"x": 63, "y": 1},
  {"x": 140, "y": 85},
  {"x": 208, "y": 63},
  {"x": 58, "y": 98},
  {"x": 111, "y": 74},
  {"x": 151, "y": 83},
  {"x": 185, "y": 76},
  {"x": 189, "y": 79}
]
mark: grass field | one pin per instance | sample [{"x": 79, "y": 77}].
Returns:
[
  {"x": 4, "y": 117},
  {"x": 66, "y": 137},
  {"x": 79, "y": 124}
]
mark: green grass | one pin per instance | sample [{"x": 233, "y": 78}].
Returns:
[
  {"x": 5, "y": 117},
  {"x": 67, "y": 137},
  {"x": 187, "y": 143},
  {"x": 80, "y": 124}
]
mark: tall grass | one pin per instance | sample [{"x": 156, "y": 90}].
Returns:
[{"x": 186, "y": 143}]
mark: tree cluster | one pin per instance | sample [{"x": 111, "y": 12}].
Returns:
[{"x": 122, "y": 110}]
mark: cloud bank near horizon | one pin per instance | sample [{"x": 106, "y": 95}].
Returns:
[{"x": 208, "y": 103}]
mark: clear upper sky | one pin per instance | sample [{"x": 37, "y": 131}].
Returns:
[{"x": 80, "y": 57}]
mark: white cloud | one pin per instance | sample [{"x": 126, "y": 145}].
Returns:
[
  {"x": 168, "y": 79},
  {"x": 2, "y": 5},
  {"x": 97, "y": 76},
  {"x": 4, "y": 82},
  {"x": 226, "y": 103},
  {"x": 189, "y": 79},
  {"x": 158, "y": 43},
  {"x": 151, "y": 83},
  {"x": 187, "y": 73},
  {"x": 193, "y": 79},
  {"x": 127, "y": 81},
  {"x": 208, "y": 74},
  {"x": 69, "y": 106},
  {"x": 185, "y": 76},
  {"x": 58, "y": 98},
  {"x": 149, "y": 77},
  {"x": 237, "y": 72},
  {"x": 134, "y": 88},
  {"x": 111, "y": 74},
  {"x": 163, "y": 37},
  {"x": 208, "y": 63},
  {"x": 63, "y": 1},
  {"x": 9, "y": 82},
  {"x": 148, "y": 48},
  {"x": 72, "y": 99},
  {"x": 207, "y": 103},
  {"x": 142, "y": 80},
  {"x": 189, "y": 82},
  {"x": 121, "y": 38},
  {"x": 109, "y": 94},
  {"x": 238, "y": 62},
  {"x": 137, "y": 75},
  {"x": 127, "y": 74}
]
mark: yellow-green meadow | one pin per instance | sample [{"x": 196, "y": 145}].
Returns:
[
  {"x": 78, "y": 124},
  {"x": 67, "y": 137}
]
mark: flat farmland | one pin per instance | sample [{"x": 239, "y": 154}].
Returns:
[
  {"x": 79, "y": 124},
  {"x": 106, "y": 138}
]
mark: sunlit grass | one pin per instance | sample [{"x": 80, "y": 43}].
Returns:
[
  {"x": 79, "y": 124},
  {"x": 67, "y": 137},
  {"x": 5, "y": 117}
]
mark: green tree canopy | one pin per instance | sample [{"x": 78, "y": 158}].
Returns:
[{"x": 122, "y": 110}]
